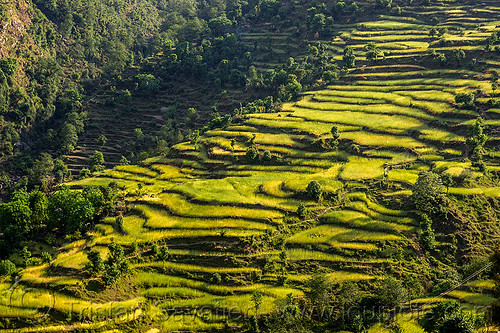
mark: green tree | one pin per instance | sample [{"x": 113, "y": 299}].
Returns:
[
  {"x": 101, "y": 140},
  {"x": 318, "y": 292},
  {"x": 95, "y": 265},
  {"x": 446, "y": 317},
  {"x": 428, "y": 193},
  {"x": 392, "y": 293},
  {"x": 349, "y": 57},
  {"x": 96, "y": 161},
  {"x": 7, "y": 267},
  {"x": 314, "y": 190},
  {"x": 427, "y": 238},
  {"x": 69, "y": 211},
  {"x": 257, "y": 301}
]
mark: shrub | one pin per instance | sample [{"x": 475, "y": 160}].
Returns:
[
  {"x": 314, "y": 190},
  {"x": 7, "y": 267}
]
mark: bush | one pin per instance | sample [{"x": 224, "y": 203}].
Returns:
[
  {"x": 314, "y": 190},
  {"x": 7, "y": 267}
]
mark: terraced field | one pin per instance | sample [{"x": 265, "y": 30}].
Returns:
[{"x": 213, "y": 207}]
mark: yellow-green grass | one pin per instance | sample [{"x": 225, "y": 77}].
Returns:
[
  {"x": 237, "y": 303},
  {"x": 195, "y": 268},
  {"x": 405, "y": 110},
  {"x": 178, "y": 204},
  {"x": 187, "y": 322},
  {"x": 392, "y": 25},
  {"x": 260, "y": 138},
  {"x": 363, "y": 168},
  {"x": 361, "y": 196},
  {"x": 381, "y": 140},
  {"x": 103, "y": 181},
  {"x": 345, "y": 99},
  {"x": 25, "y": 297},
  {"x": 382, "y": 122},
  {"x": 331, "y": 234},
  {"x": 135, "y": 232},
  {"x": 12, "y": 312},
  {"x": 487, "y": 191},
  {"x": 362, "y": 208},
  {"x": 137, "y": 169},
  {"x": 241, "y": 190},
  {"x": 403, "y": 175},
  {"x": 473, "y": 298},
  {"x": 156, "y": 218},
  {"x": 38, "y": 275},
  {"x": 171, "y": 172},
  {"x": 115, "y": 174},
  {"x": 275, "y": 188},
  {"x": 299, "y": 124},
  {"x": 396, "y": 157},
  {"x": 483, "y": 284},
  {"x": 359, "y": 220},
  {"x": 336, "y": 277}
]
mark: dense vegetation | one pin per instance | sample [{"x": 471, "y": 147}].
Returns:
[{"x": 258, "y": 166}]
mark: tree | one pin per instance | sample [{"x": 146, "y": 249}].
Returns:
[
  {"x": 163, "y": 255},
  {"x": 194, "y": 137},
  {"x": 257, "y": 301},
  {"x": 392, "y": 293},
  {"x": 267, "y": 156},
  {"x": 148, "y": 83},
  {"x": 124, "y": 161},
  {"x": 372, "y": 52},
  {"x": 220, "y": 25},
  {"x": 252, "y": 153},
  {"x": 95, "y": 265},
  {"x": 70, "y": 211},
  {"x": 302, "y": 211},
  {"x": 7, "y": 267},
  {"x": 84, "y": 173},
  {"x": 101, "y": 140},
  {"x": 465, "y": 99},
  {"x": 329, "y": 76},
  {"x": 476, "y": 141},
  {"x": 318, "y": 289},
  {"x": 314, "y": 190},
  {"x": 293, "y": 89},
  {"x": 446, "y": 317},
  {"x": 447, "y": 180},
  {"x": 96, "y": 161},
  {"x": 69, "y": 138},
  {"x": 119, "y": 224},
  {"x": 116, "y": 264},
  {"x": 335, "y": 137},
  {"x": 428, "y": 193},
  {"x": 427, "y": 237}
]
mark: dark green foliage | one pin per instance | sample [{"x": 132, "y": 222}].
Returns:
[
  {"x": 148, "y": 83},
  {"x": 115, "y": 265},
  {"x": 476, "y": 141},
  {"x": 314, "y": 190},
  {"x": 7, "y": 267},
  {"x": 8, "y": 66},
  {"x": 252, "y": 154},
  {"x": 392, "y": 293},
  {"x": 349, "y": 57},
  {"x": 96, "y": 264},
  {"x": 427, "y": 238},
  {"x": 428, "y": 193},
  {"x": 70, "y": 211},
  {"x": 96, "y": 161},
  {"x": 446, "y": 317},
  {"x": 465, "y": 99},
  {"x": 302, "y": 211}
]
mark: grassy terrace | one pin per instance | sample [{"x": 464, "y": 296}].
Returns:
[{"x": 201, "y": 200}]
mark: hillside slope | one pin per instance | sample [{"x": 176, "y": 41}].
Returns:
[{"x": 234, "y": 208}]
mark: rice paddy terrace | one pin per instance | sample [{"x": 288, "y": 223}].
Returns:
[{"x": 231, "y": 224}]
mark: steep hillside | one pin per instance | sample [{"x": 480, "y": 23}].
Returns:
[{"x": 228, "y": 231}]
